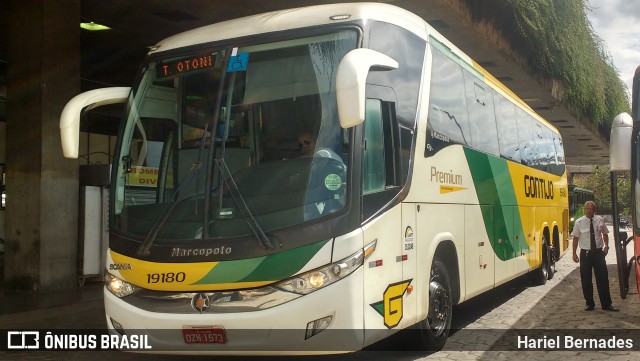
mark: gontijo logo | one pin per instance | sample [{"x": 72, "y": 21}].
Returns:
[
  {"x": 535, "y": 187},
  {"x": 392, "y": 305}
]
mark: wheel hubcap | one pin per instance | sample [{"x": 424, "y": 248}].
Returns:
[{"x": 438, "y": 307}]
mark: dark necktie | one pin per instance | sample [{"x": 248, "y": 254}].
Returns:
[{"x": 592, "y": 235}]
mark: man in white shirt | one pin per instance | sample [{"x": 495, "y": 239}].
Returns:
[{"x": 591, "y": 234}]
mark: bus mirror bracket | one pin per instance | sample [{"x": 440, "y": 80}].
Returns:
[
  {"x": 620, "y": 143},
  {"x": 70, "y": 117},
  {"x": 351, "y": 79}
]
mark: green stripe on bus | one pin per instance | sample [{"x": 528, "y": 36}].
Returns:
[
  {"x": 507, "y": 195},
  {"x": 497, "y": 198},
  {"x": 274, "y": 267}
]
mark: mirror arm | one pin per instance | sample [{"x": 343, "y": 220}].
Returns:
[{"x": 70, "y": 117}]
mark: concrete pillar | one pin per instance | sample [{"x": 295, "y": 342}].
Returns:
[{"x": 41, "y": 185}]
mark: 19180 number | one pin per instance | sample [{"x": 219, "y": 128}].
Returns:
[{"x": 169, "y": 277}]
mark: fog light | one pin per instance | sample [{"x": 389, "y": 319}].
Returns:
[
  {"x": 117, "y": 326},
  {"x": 315, "y": 327}
]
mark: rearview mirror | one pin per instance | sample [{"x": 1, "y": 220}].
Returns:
[
  {"x": 70, "y": 117},
  {"x": 351, "y": 79},
  {"x": 620, "y": 143}
]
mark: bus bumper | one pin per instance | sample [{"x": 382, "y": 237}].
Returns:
[{"x": 278, "y": 330}]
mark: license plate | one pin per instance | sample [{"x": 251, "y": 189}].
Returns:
[{"x": 204, "y": 334}]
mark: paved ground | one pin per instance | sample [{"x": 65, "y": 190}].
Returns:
[
  {"x": 487, "y": 326},
  {"x": 558, "y": 307}
]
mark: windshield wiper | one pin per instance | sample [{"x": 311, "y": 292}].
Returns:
[
  {"x": 168, "y": 209},
  {"x": 253, "y": 224},
  {"x": 256, "y": 229},
  {"x": 195, "y": 173}
]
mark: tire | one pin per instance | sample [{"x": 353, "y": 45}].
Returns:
[
  {"x": 552, "y": 263},
  {"x": 542, "y": 274},
  {"x": 434, "y": 330}
]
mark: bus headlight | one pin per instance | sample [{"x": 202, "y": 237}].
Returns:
[
  {"x": 120, "y": 288},
  {"x": 311, "y": 281}
]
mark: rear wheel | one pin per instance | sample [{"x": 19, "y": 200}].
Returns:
[
  {"x": 434, "y": 330},
  {"x": 552, "y": 262},
  {"x": 542, "y": 274}
]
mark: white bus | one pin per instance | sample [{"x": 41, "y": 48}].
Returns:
[{"x": 225, "y": 237}]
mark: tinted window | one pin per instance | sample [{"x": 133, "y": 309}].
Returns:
[
  {"x": 381, "y": 180},
  {"x": 541, "y": 145},
  {"x": 557, "y": 167},
  {"x": 482, "y": 122},
  {"x": 506, "y": 120},
  {"x": 465, "y": 110},
  {"x": 408, "y": 50},
  {"x": 447, "y": 120},
  {"x": 373, "y": 179},
  {"x": 528, "y": 148}
]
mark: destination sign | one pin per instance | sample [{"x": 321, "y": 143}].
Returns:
[{"x": 181, "y": 66}]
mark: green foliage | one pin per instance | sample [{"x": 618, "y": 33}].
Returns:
[
  {"x": 600, "y": 182},
  {"x": 557, "y": 41}
]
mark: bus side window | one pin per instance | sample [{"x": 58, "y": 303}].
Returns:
[
  {"x": 448, "y": 118},
  {"x": 374, "y": 175},
  {"x": 558, "y": 169},
  {"x": 482, "y": 119},
  {"x": 529, "y": 152},
  {"x": 382, "y": 178},
  {"x": 541, "y": 144},
  {"x": 552, "y": 157},
  {"x": 505, "y": 118}
]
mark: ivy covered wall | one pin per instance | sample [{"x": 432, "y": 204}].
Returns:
[{"x": 556, "y": 43}]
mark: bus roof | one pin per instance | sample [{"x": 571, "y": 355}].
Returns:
[{"x": 291, "y": 19}]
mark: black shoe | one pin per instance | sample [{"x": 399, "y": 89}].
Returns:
[
  {"x": 589, "y": 308},
  {"x": 611, "y": 308}
]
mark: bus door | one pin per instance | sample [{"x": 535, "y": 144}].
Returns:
[{"x": 384, "y": 287}]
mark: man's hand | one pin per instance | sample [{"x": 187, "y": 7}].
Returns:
[
  {"x": 575, "y": 258},
  {"x": 606, "y": 250}
]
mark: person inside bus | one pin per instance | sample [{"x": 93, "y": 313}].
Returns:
[
  {"x": 591, "y": 234},
  {"x": 307, "y": 146}
]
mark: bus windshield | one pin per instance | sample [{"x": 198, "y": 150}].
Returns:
[{"x": 219, "y": 142}]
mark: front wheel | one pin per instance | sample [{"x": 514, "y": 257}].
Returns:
[{"x": 434, "y": 330}]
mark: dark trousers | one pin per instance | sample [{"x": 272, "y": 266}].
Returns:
[{"x": 594, "y": 259}]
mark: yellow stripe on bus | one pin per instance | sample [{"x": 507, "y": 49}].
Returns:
[
  {"x": 160, "y": 276},
  {"x": 448, "y": 189}
]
